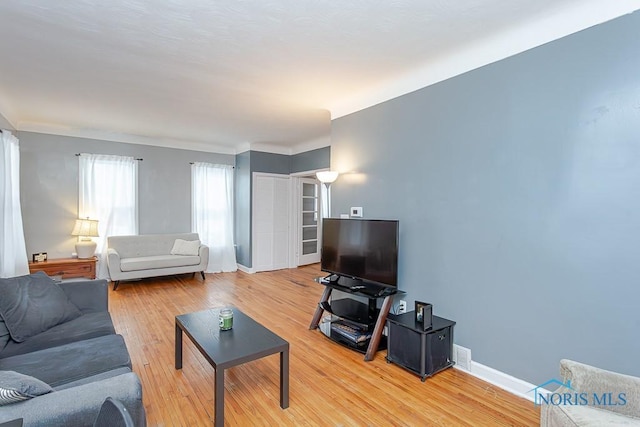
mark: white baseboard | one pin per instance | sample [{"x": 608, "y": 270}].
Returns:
[
  {"x": 246, "y": 269},
  {"x": 506, "y": 382}
]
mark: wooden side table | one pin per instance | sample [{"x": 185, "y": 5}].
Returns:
[{"x": 66, "y": 268}]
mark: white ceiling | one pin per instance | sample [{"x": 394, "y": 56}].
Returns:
[{"x": 226, "y": 76}]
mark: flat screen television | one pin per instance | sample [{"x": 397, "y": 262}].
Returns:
[{"x": 362, "y": 249}]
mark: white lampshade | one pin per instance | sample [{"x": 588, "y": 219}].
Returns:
[
  {"x": 327, "y": 177},
  {"x": 86, "y": 229}
]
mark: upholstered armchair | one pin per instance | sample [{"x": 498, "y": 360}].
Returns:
[{"x": 597, "y": 398}]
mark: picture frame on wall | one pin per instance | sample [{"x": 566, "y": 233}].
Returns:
[{"x": 424, "y": 314}]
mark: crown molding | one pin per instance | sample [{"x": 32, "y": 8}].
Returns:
[
  {"x": 321, "y": 142},
  {"x": 168, "y": 142},
  {"x": 584, "y": 14},
  {"x": 124, "y": 138},
  {"x": 314, "y": 144},
  {"x": 269, "y": 148}
]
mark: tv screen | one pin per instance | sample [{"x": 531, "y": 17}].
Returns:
[{"x": 362, "y": 249}]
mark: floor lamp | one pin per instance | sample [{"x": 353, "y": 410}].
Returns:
[{"x": 327, "y": 177}]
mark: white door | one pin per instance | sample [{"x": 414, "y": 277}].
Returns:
[
  {"x": 310, "y": 223},
  {"x": 270, "y": 222}
]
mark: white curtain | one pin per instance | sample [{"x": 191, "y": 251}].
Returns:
[
  {"x": 325, "y": 193},
  {"x": 108, "y": 192},
  {"x": 212, "y": 213},
  {"x": 13, "y": 252}
]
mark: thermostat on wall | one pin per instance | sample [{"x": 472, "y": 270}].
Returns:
[{"x": 356, "y": 212}]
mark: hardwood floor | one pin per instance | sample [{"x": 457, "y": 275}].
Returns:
[{"x": 329, "y": 384}]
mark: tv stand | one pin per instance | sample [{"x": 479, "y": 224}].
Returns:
[{"x": 349, "y": 313}]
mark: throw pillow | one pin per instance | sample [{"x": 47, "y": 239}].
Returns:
[
  {"x": 32, "y": 304},
  {"x": 16, "y": 387},
  {"x": 185, "y": 247}
]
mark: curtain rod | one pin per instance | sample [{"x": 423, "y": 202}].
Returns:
[{"x": 80, "y": 154}]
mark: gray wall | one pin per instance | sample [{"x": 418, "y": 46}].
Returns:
[
  {"x": 258, "y": 161},
  {"x": 269, "y": 162},
  {"x": 311, "y": 160},
  {"x": 242, "y": 207},
  {"x": 517, "y": 187},
  {"x": 49, "y": 187}
]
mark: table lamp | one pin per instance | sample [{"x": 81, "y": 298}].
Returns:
[{"x": 85, "y": 229}]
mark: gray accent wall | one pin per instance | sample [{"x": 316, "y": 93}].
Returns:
[
  {"x": 258, "y": 161},
  {"x": 311, "y": 160},
  {"x": 517, "y": 187},
  {"x": 242, "y": 208},
  {"x": 269, "y": 162},
  {"x": 49, "y": 187}
]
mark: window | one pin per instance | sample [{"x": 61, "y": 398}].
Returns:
[
  {"x": 108, "y": 192},
  {"x": 212, "y": 213}
]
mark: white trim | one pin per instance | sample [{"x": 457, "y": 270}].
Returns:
[
  {"x": 303, "y": 147},
  {"x": 294, "y": 232},
  {"x": 268, "y": 148},
  {"x": 500, "y": 379},
  {"x": 125, "y": 138},
  {"x": 579, "y": 16},
  {"x": 245, "y": 269},
  {"x": 308, "y": 173},
  {"x": 314, "y": 144}
]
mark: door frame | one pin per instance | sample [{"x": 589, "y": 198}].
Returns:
[{"x": 296, "y": 214}]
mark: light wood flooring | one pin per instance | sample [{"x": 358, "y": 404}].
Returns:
[{"x": 329, "y": 384}]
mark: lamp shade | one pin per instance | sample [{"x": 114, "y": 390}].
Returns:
[
  {"x": 327, "y": 177},
  {"x": 85, "y": 227}
]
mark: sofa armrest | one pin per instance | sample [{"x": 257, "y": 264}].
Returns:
[
  {"x": 79, "y": 406},
  {"x": 87, "y": 295},
  {"x": 113, "y": 263},
  {"x": 592, "y": 380},
  {"x": 203, "y": 252}
]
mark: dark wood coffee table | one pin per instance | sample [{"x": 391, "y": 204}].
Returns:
[{"x": 247, "y": 341}]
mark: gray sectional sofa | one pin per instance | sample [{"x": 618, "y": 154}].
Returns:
[
  {"x": 151, "y": 255},
  {"x": 58, "y": 342}
]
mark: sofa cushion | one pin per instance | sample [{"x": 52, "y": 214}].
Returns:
[
  {"x": 157, "y": 261},
  {"x": 147, "y": 244},
  {"x": 16, "y": 387},
  {"x": 94, "y": 378},
  {"x": 32, "y": 304},
  {"x": 71, "y": 362},
  {"x": 87, "y": 326},
  {"x": 185, "y": 247},
  {"x": 4, "y": 335}
]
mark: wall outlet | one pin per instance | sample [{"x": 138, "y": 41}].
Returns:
[
  {"x": 402, "y": 307},
  {"x": 356, "y": 212}
]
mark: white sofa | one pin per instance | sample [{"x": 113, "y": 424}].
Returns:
[
  {"x": 149, "y": 255},
  {"x": 587, "y": 383}
]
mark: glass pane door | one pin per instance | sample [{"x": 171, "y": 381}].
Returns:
[{"x": 310, "y": 221}]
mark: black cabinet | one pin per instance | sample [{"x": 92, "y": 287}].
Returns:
[{"x": 421, "y": 352}]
